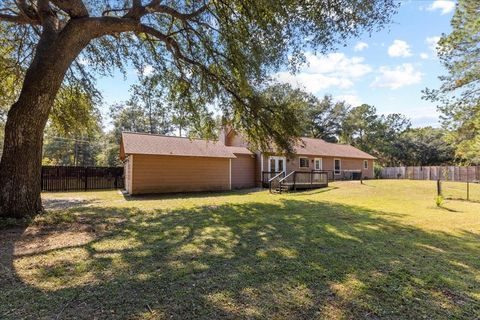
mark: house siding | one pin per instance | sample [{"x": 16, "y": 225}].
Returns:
[
  {"x": 243, "y": 171},
  {"x": 128, "y": 164},
  {"x": 167, "y": 174}
]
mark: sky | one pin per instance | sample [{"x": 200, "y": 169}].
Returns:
[{"x": 387, "y": 69}]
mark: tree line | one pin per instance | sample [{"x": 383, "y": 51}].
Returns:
[{"x": 390, "y": 138}]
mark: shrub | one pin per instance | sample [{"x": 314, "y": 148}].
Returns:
[{"x": 439, "y": 201}]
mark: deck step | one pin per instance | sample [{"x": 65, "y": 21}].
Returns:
[{"x": 282, "y": 188}]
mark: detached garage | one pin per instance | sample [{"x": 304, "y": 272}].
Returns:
[{"x": 165, "y": 164}]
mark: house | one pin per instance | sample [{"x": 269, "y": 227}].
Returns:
[{"x": 165, "y": 164}]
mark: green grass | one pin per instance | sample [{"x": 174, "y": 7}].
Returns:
[{"x": 378, "y": 250}]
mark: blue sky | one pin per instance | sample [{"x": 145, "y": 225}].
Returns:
[{"x": 388, "y": 69}]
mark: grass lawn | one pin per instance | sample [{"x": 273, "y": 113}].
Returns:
[{"x": 378, "y": 250}]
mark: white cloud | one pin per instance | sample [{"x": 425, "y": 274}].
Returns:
[
  {"x": 424, "y": 55},
  {"x": 351, "y": 99},
  {"x": 397, "y": 77},
  {"x": 360, "y": 46},
  {"x": 331, "y": 70},
  {"x": 399, "y": 48},
  {"x": 445, "y": 6}
]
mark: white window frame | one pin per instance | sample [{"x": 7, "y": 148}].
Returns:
[
  {"x": 339, "y": 167},
  {"x": 300, "y": 163},
  {"x": 315, "y": 163},
  {"x": 365, "y": 164},
  {"x": 276, "y": 163}
]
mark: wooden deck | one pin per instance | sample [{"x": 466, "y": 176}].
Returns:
[{"x": 306, "y": 185}]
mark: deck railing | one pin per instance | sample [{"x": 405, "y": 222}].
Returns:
[
  {"x": 343, "y": 174},
  {"x": 267, "y": 175},
  {"x": 301, "y": 179},
  {"x": 274, "y": 182}
]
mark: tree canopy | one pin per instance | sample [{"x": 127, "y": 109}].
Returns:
[
  {"x": 208, "y": 51},
  {"x": 459, "y": 93}
]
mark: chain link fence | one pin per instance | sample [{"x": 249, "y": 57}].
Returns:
[{"x": 453, "y": 190}]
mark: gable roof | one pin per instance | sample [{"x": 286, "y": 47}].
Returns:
[
  {"x": 319, "y": 147},
  {"x": 154, "y": 144}
]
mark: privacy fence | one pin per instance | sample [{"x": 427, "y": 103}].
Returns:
[
  {"x": 454, "y": 182},
  {"x": 445, "y": 173},
  {"x": 66, "y": 178}
]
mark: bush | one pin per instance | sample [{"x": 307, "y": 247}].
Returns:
[
  {"x": 439, "y": 201},
  {"x": 377, "y": 171}
]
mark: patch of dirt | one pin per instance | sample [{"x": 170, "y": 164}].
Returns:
[
  {"x": 37, "y": 239},
  {"x": 56, "y": 204}
]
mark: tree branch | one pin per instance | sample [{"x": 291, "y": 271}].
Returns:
[
  {"x": 156, "y": 7},
  {"x": 26, "y": 9},
  {"x": 74, "y": 8},
  {"x": 20, "y": 19}
]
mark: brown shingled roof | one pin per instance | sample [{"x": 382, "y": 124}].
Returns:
[
  {"x": 238, "y": 150},
  {"x": 144, "y": 143},
  {"x": 319, "y": 147}
]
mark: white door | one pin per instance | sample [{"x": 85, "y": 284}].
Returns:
[
  {"x": 318, "y": 164},
  {"x": 276, "y": 164}
]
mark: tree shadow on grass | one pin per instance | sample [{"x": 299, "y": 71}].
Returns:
[
  {"x": 293, "y": 259},
  {"x": 187, "y": 195}
]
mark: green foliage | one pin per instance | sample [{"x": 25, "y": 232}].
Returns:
[
  {"x": 439, "y": 201},
  {"x": 148, "y": 106},
  {"x": 72, "y": 150},
  {"x": 373, "y": 133},
  {"x": 277, "y": 109},
  {"x": 75, "y": 113},
  {"x": 74, "y": 134},
  {"x": 423, "y": 146},
  {"x": 324, "y": 118},
  {"x": 208, "y": 54},
  {"x": 377, "y": 170},
  {"x": 459, "y": 93}
]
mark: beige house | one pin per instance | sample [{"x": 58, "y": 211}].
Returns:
[{"x": 165, "y": 164}]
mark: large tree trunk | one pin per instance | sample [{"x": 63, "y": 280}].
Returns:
[{"x": 20, "y": 167}]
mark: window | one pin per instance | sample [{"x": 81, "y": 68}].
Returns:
[
  {"x": 337, "y": 166},
  {"x": 365, "y": 164},
  {"x": 272, "y": 165},
  {"x": 318, "y": 164},
  {"x": 276, "y": 164},
  {"x": 303, "y": 162}
]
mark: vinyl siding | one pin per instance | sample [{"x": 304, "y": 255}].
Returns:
[
  {"x": 243, "y": 171},
  {"x": 166, "y": 174}
]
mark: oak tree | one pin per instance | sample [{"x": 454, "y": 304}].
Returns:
[{"x": 209, "y": 50}]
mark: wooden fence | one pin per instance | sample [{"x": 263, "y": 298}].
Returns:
[
  {"x": 446, "y": 173},
  {"x": 67, "y": 178}
]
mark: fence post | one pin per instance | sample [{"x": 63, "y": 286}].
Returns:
[
  {"x": 468, "y": 191},
  {"x": 439, "y": 188},
  {"x": 295, "y": 181},
  {"x": 86, "y": 178}
]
